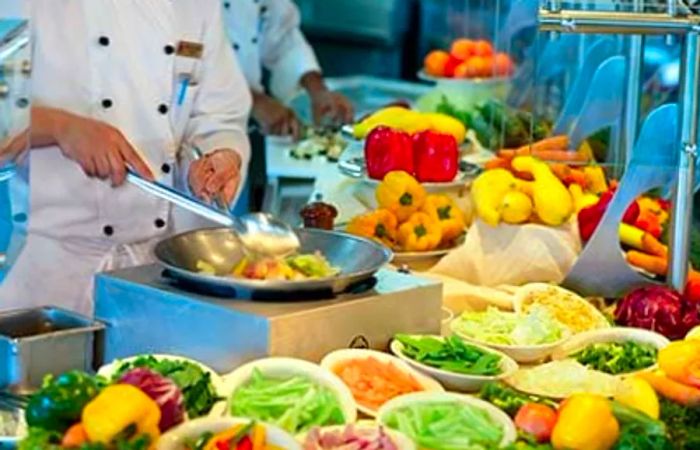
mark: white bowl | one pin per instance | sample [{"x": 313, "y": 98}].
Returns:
[
  {"x": 598, "y": 320},
  {"x": 509, "y": 432},
  {"x": 457, "y": 381},
  {"x": 288, "y": 367},
  {"x": 177, "y": 438},
  {"x": 339, "y": 356},
  {"x": 617, "y": 334},
  {"x": 108, "y": 371},
  {"x": 402, "y": 441},
  {"x": 520, "y": 353}
]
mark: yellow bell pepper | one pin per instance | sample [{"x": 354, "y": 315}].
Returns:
[
  {"x": 420, "y": 233},
  {"x": 446, "y": 212},
  {"x": 637, "y": 393},
  {"x": 680, "y": 361},
  {"x": 586, "y": 422},
  {"x": 118, "y": 407},
  {"x": 401, "y": 194},
  {"x": 379, "y": 225}
]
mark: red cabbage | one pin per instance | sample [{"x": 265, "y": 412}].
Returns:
[
  {"x": 659, "y": 309},
  {"x": 163, "y": 391}
]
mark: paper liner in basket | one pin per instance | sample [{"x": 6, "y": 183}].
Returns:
[{"x": 513, "y": 254}]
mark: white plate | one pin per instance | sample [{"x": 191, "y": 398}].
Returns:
[
  {"x": 288, "y": 367},
  {"x": 598, "y": 319},
  {"x": 336, "y": 357},
  {"x": 617, "y": 334},
  {"x": 401, "y": 441},
  {"x": 498, "y": 416},
  {"x": 457, "y": 381},
  {"x": 177, "y": 438},
  {"x": 108, "y": 371}
]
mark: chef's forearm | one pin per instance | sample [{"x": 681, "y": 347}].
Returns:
[
  {"x": 45, "y": 126},
  {"x": 313, "y": 83}
]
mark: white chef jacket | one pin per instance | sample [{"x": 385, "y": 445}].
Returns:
[
  {"x": 119, "y": 61},
  {"x": 265, "y": 33}
]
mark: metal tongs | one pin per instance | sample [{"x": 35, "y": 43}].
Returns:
[{"x": 260, "y": 234}]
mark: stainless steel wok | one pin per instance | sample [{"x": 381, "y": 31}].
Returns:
[{"x": 358, "y": 259}]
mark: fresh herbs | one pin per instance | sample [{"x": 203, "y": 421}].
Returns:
[
  {"x": 682, "y": 423},
  {"x": 616, "y": 358},
  {"x": 450, "y": 354},
  {"x": 510, "y": 400},
  {"x": 196, "y": 385}
]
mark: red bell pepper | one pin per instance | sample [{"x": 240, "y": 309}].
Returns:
[
  {"x": 692, "y": 290},
  {"x": 590, "y": 217},
  {"x": 387, "y": 150},
  {"x": 436, "y": 157}
]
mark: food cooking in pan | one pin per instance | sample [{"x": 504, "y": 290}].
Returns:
[{"x": 296, "y": 267}]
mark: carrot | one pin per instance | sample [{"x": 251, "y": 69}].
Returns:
[
  {"x": 553, "y": 143},
  {"x": 75, "y": 436},
  {"x": 510, "y": 153},
  {"x": 559, "y": 156},
  {"x": 497, "y": 163},
  {"x": 652, "y": 246},
  {"x": 672, "y": 390},
  {"x": 654, "y": 264}
]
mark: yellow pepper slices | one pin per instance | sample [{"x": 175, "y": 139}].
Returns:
[
  {"x": 118, "y": 407},
  {"x": 586, "y": 422},
  {"x": 445, "y": 211},
  {"x": 258, "y": 437},
  {"x": 401, "y": 194},
  {"x": 379, "y": 225},
  {"x": 420, "y": 233}
]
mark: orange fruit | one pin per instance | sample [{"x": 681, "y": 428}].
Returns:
[
  {"x": 503, "y": 66},
  {"x": 462, "y": 49},
  {"x": 478, "y": 67},
  {"x": 462, "y": 70},
  {"x": 435, "y": 62},
  {"x": 483, "y": 48}
]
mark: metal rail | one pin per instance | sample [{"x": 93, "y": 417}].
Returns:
[{"x": 606, "y": 22}]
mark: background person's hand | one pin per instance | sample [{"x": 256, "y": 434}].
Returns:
[
  {"x": 216, "y": 175},
  {"x": 274, "y": 118},
  {"x": 100, "y": 149},
  {"x": 331, "y": 106}
]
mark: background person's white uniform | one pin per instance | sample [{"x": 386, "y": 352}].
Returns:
[
  {"x": 265, "y": 33},
  {"x": 116, "y": 61}
]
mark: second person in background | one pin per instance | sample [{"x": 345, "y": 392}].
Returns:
[{"x": 266, "y": 34}]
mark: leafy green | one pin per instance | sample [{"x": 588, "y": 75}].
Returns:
[
  {"x": 446, "y": 425},
  {"x": 41, "y": 439},
  {"x": 510, "y": 400},
  {"x": 312, "y": 265},
  {"x": 527, "y": 442},
  {"x": 197, "y": 388},
  {"x": 617, "y": 357},
  {"x": 450, "y": 354},
  {"x": 295, "y": 404},
  {"x": 638, "y": 430},
  {"x": 682, "y": 423},
  {"x": 493, "y": 326}
]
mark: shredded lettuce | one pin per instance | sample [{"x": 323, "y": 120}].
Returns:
[{"x": 493, "y": 326}]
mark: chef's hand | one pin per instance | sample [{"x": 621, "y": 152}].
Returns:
[
  {"x": 274, "y": 118},
  {"x": 100, "y": 149},
  {"x": 327, "y": 106},
  {"x": 14, "y": 146},
  {"x": 216, "y": 175}
]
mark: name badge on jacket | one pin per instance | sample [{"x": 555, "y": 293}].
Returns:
[{"x": 190, "y": 49}]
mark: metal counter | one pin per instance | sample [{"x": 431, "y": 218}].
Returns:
[{"x": 146, "y": 313}]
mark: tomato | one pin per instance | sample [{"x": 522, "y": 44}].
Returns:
[
  {"x": 435, "y": 62},
  {"x": 462, "y": 70},
  {"x": 536, "y": 420},
  {"x": 503, "y": 66},
  {"x": 223, "y": 445},
  {"x": 451, "y": 66},
  {"x": 245, "y": 444},
  {"x": 463, "y": 49},
  {"x": 478, "y": 67},
  {"x": 483, "y": 48}
]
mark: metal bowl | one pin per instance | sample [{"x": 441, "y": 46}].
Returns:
[{"x": 358, "y": 259}]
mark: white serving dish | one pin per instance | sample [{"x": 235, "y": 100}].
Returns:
[
  {"x": 599, "y": 320},
  {"x": 402, "y": 441},
  {"x": 616, "y": 334},
  {"x": 509, "y": 432},
  {"x": 108, "y": 371},
  {"x": 520, "y": 353},
  {"x": 336, "y": 357},
  {"x": 176, "y": 438},
  {"x": 457, "y": 381},
  {"x": 288, "y": 367}
]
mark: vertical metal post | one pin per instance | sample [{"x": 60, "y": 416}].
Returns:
[
  {"x": 681, "y": 217},
  {"x": 630, "y": 123}
]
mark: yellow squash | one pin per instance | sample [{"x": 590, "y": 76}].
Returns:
[
  {"x": 516, "y": 207},
  {"x": 488, "y": 191},
  {"x": 553, "y": 202}
]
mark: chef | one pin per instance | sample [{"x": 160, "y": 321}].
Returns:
[
  {"x": 265, "y": 34},
  {"x": 121, "y": 83}
]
